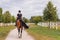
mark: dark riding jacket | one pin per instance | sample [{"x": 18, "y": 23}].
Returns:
[{"x": 19, "y": 16}]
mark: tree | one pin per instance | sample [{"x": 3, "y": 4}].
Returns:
[
  {"x": 50, "y": 13},
  {"x": 7, "y": 17},
  {"x": 36, "y": 19},
  {"x": 13, "y": 19},
  {"x": 3, "y": 18},
  {"x": 25, "y": 20},
  {"x": 0, "y": 15}
]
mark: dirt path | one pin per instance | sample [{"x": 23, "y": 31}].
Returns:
[{"x": 13, "y": 35}]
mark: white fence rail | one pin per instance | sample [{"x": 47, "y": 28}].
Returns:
[
  {"x": 4, "y": 24},
  {"x": 47, "y": 23}
]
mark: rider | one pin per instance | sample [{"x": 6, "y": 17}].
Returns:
[{"x": 19, "y": 16}]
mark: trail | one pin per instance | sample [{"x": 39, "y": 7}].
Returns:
[{"x": 13, "y": 35}]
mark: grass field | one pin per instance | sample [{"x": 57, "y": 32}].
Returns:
[
  {"x": 4, "y": 31},
  {"x": 43, "y": 33}
]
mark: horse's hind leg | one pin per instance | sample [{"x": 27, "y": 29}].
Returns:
[{"x": 19, "y": 33}]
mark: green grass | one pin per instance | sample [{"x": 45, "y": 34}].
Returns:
[
  {"x": 44, "y": 33},
  {"x": 4, "y": 31}
]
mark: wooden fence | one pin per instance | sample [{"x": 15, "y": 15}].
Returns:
[
  {"x": 52, "y": 24},
  {"x": 6, "y": 24}
]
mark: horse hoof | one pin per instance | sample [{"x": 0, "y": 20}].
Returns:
[{"x": 19, "y": 37}]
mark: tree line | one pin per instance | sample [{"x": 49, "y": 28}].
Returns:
[
  {"x": 6, "y": 17},
  {"x": 49, "y": 14}
]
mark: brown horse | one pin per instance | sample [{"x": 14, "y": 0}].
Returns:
[{"x": 19, "y": 27}]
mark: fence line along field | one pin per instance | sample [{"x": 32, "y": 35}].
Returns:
[
  {"x": 52, "y": 24},
  {"x": 6, "y": 24}
]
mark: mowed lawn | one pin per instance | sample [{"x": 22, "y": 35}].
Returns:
[
  {"x": 4, "y": 31},
  {"x": 43, "y": 33}
]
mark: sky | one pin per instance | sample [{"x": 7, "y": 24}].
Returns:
[{"x": 28, "y": 7}]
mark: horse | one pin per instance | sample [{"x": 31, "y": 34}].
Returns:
[{"x": 20, "y": 28}]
